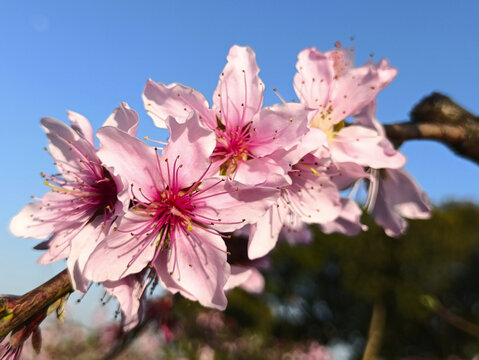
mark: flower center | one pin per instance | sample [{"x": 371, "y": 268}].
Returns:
[
  {"x": 232, "y": 147},
  {"x": 90, "y": 190},
  {"x": 323, "y": 121}
]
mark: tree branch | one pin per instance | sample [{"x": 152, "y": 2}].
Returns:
[
  {"x": 437, "y": 117},
  {"x": 16, "y": 311}
]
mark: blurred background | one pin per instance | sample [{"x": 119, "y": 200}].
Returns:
[{"x": 89, "y": 56}]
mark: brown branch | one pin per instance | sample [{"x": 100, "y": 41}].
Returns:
[
  {"x": 16, "y": 311},
  {"x": 376, "y": 329},
  {"x": 410, "y": 131},
  {"x": 437, "y": 117},
  {"x": 458, "y": 322}
]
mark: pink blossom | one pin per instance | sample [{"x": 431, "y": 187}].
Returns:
[
  {"x": 246, "y": 134},
  {"x": 348, "y": 221},
  {"x": 393, "y": 194},
  {"x": 85, "y": 196},
  {"x": 297, "y": 233},
  {"x": 329, "y": 83},
  {"x": 314, "y": 352},
  {"x": 311, "y": 198},
  {"x": 128, "y": 291},
  {"x": 247, "y": 277},
  {"x": 398, "y": 197},
  {"x": 177, "y": 214}
]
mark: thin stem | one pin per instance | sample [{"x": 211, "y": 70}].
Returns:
[{"x": 376, "y": 329}]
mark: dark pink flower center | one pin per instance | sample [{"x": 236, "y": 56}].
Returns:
[
  {"x": 86, "y": 190},
  {"x": 232, "y": 147},
  {"x": 173, "y": 210}
]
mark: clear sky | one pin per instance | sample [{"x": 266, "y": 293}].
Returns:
[{"x": 88, "y": 56}]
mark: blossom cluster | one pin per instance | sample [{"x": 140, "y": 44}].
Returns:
[{"x": 130, "y": 215}]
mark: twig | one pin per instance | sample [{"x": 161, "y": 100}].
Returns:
[
  {"x": 376, "y": 329},
  {"x": 458, "y": 322},
  {"x": 15, "y": 311},
  {"x": 437, "y": 117}
]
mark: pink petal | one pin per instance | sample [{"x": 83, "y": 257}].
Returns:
[
  {"x": 196, "y": 267},
  {"x": 82, "y": 126},
  {"x": 239, "y": 94},
  {"x": 262, "y": 171},
  {"x": 348, "y": 222},
  {"x": 359, "y": 86},
  {"x": 264, "y": 233},
  {"x": 124, "y": 118},
  {"x": 175, "y": 100},
  {"x": 314, "y": 198},
  {"x": 280, "y": 126},
  {"x": 235, "y": 204},
  {"x": 192, "y": 144},
  {"x": 364, "y": 147},
  {"x": 248, "y": 278},
  {"x": 367, "y": 118},
  {"x": 344, "y": 174},
  {"x": 59, "y": 244},
  {"x": 130, "y": 157},
  {"x": 313, "y": 80},
  {"x": 315, "y": 141},
  {"x": 128, "y": 292},
  {"x": 399, "y": 196},
  {"x": 121, "y": 254},
  {"x": 67, "y": 147},
  {"x": 297, "y": 232},
  {"x": 255, "y": 283},
  {"x": 27, "y": 223},
  {"x": 82, "y": 245},
  {"x": 239, "y": 274}
]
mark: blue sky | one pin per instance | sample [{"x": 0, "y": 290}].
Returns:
[{"x": 88, "y": 56}]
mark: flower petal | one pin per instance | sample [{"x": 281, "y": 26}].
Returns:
[
  {"x": 130, "y": 157},
  {"x": 175, "y": 100},
  {"x": 192, "y": 144},
  {"x": 359, "y": 85},
  {"x": 70, "y": 151},
  {"x": 264, "y": 233},
  {"x": 196, "y": 267},
  {"x": 364, "y": 146},
  {"x": 81, "y": 124},
  {"x": 348, "y": 222},
  {"x": 313, "y": 197},
  {"x": 279, "y": 126},
  {"x": 27, "y": 223},
  {"x": 121, "y": 253},
  {"x": 248, "y": 278},
  {"x": 313, "y": 80},
  {"x": 128, "y": 292},
  {"x": 82, "y": 245},
  {"x": 399, "y": 196},
  {"x": 124, "y": 118},
  {"x": 239, "y": 94}
]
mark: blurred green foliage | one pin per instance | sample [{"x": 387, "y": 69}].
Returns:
[{"x": 325, "y": 292}]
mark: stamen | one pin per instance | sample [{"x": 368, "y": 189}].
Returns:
[
  {"x": 309, "y": 167},
  {"x": 147, "y": 138},
  {"x": 275, "y": 90}
]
